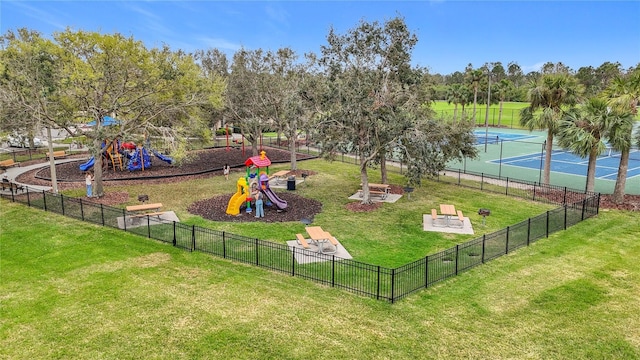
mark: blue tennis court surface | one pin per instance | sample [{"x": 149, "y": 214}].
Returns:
[
  {"x": 493, "y": 137},
  {"x": 566, "y": 162}
]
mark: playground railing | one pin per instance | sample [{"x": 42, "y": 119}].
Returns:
[{"x": 388, "y": 284}]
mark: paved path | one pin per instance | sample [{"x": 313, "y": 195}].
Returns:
[{"x": 13, "y": 172}]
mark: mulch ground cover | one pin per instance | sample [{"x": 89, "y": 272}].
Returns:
[{"x": 209, "y": 162}]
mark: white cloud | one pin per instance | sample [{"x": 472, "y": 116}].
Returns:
[
  {"x": 218, "y": 43},
  {"x": 39, "y": 13},
  {"x": 534, "y": 67}
]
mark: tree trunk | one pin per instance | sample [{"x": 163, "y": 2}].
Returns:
[
  {"x": 591, "y": 171},
  {"x": 98, "y": 188},
  {"x": 292, "y": 150},
  {"x": 546, "y": 177},
  {"x": 364, "y": 179},
  {"x": 383, "y": 167},
  {"x": 500, "y": 113},
  {"x": 455, "y": 112},
  {"x": 475, "y": 100},
  {"x": 621, "y": 180}
]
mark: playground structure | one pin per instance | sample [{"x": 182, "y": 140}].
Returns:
[
  {"x": 254, "y": 180},
  {"x": 138, "y": 157}
]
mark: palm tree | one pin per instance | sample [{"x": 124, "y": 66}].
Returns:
[
  {"x": 547, "y": 97},
  {"x": 453, "y": 96},
  {"x": 474, "y": 77},
  {"x": 503, "y": 89},
  {"x": 582, "y": 130},
  {"x": 623, "y": 95}
]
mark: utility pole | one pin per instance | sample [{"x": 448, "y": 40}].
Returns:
[
  {"x": 52, "y": 162},
  {"x": 486, "y": 115}
]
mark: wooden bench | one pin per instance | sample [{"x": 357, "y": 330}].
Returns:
[
  {"x": 381, "y": 194},
  {"x": 13, "y": 187},
  {"x": 302, "y": 241},
  {"x": 461, "y": 217},
  {"x": 144, "y": 207},
  {"x": 58, "y": 154},
  {"x": 5, "y": 164},
  {"x": 158, "y": 213},
  {"x": 434, "y": 217}
]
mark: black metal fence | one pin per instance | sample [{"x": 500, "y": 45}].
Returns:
[{"x": 365, "y": 279}]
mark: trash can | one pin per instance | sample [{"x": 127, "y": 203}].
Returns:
[{"x": 291, "y": 183}]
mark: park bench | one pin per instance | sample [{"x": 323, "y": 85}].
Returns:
[
  {"x": 58, "y": 154},
  {"x": 461, "y": 218},
  {"x": 5, "y": 164},
  {"x": 13, "y": 187},
  {"x": 302, "y": 241},
  {"x": 434, "y": 217}
]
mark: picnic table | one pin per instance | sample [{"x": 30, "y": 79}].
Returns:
[
  {"x": 381, "y": 190},
  {"x": 448, "y": 211},
  {"x": 320, "y": 238},
  {"x": 138, "y": 211},
  {"x": 280, "y": 175}
]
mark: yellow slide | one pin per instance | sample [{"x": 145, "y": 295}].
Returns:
[{"x": 233, "y": 208}]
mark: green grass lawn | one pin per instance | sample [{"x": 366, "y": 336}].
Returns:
[
  {"x": 510, "y": 113},
  {"x": 70, "y": 289}
]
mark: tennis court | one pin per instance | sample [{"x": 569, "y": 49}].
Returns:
[
  {"x": 568, "y": 163},
  {"x": 494, "y": 137},
  {"x": 519, "y": 154}
]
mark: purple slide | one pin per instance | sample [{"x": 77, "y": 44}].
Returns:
[{"x": 280, "y": 204}]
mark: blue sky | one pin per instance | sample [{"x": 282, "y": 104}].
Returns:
[{"x": 451, "y": 34}]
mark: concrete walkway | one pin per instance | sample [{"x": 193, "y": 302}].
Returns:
[{"x": 12, "y": 173}]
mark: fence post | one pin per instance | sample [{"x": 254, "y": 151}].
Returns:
[
  {"x": 393, "y": 283},
  {"x": 293, "y": 261},
  {"x": 44, "y": 199},
  {"x": 149, "y": 226},
  {"x": 534, "y": 191},
  {"x": 506, "y": 187},
  {"x": 193, "y": 237},
  {"x": 584, "y": 205},
  {"x": 175, "y": 239},
  {"x": 333, "y": 270},
  {"x": 224, "y": 245},
  {"x": 378, "y": 287},
  {"x": 62, "y": 204},
  {"x": 28, "y": 198},
  {"x": 529, "y": 231},
  {"x": 459, "y": 176},
  {"x": 257, "y": 259},
  {"x": 426, "y": 271},
  {"x": 564, "y": 198},
  {"x": 457, "y": 252},
  {"x": 565, "y": 217},
  {"x": 547, "y": 226},
  {"x": 484, "y": 241},
  {"x": 506, "y": 250},
  {"x": 481, "y": 181},
  {"x": 124, "y": 219},
  {"x": 81, "y": 210}
]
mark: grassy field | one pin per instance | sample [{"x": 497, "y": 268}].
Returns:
[
  {"x": 74, "y": 290},
  {"x": 510, "y": 113},
  {"x": 391, "y": 236}
]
